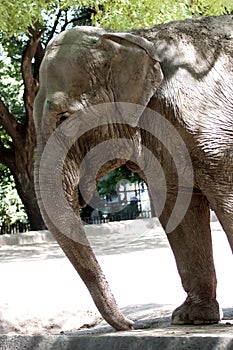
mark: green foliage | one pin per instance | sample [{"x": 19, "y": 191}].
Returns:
[
  {"x": 11, "y": 207},
  {"x": 11, "y": 87},
  {"x": 107, "y": 186},
  {"x": 211, "y": 7},
  {"x": 126, "y": 14},
  {"x": 17, "y": 16}
]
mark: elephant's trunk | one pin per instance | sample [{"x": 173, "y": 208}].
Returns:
[
  {"x": 84, "y": 261},
  {"x": 56, "y": 187}
]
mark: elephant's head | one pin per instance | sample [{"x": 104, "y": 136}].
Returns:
[
  {"x": 82, "y": 72},
  {"x": 85, "y": 67}
]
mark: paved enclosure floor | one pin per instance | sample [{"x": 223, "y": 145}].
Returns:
[{"x": 44, "y": 302}]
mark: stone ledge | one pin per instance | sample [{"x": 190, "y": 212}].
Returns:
[
  {"x": 215, "y": 337},
  {"x": 152, "y": 331}
]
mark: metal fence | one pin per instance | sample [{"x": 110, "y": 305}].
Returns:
[
  {"x": 14, "y": 228},
  {"x": 24, "y": 227},
  {"x": 116, "y": 217}
]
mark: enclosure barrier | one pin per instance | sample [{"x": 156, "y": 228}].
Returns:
[
  {"x": 14, "y": 228},
  {"x": 24, "y": 227},
  {"x": 116, "y": 217}
]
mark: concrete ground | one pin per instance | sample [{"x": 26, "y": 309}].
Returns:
[{"x": 44, "y": 305}]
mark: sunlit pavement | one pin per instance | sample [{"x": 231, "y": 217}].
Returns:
[{"x": 42, "y": 294}]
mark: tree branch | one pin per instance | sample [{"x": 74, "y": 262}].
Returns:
[
  {"x": 30, "y": 89},
  {"x": 30, "y": 85},
  {"x": 8, "y": 121},
  {"x": 7, "y": 157},
  {"x": 38, "y": 59},
  {"x": 86, "y": 15},
  {"x": 51, "y": 34}
]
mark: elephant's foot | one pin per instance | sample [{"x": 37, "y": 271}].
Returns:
[{"x": 191, "y": 312}]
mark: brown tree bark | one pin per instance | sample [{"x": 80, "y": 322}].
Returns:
[{"x": 19, "y": 156}]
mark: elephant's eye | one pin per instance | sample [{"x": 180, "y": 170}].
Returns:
[{"x": 62, "y": 117}]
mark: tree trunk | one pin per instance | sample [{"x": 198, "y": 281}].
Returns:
[
  {"x": 26, "y": 192},
  {"x": 19, "y": 157}
]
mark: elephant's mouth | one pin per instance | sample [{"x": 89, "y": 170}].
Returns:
[{"x": 103, "y": 149}]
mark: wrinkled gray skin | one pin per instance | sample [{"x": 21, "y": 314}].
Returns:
[{"x": 184, "y": 71}]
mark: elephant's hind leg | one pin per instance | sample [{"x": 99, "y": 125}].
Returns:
[
  {"x": 222, "y": 204},
  {"x": 192, "y": 246}
]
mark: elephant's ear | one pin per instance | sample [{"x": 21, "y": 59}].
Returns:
[{"x": 135, "y": 72}]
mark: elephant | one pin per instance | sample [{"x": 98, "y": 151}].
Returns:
[{"x": 170, "y": 93}]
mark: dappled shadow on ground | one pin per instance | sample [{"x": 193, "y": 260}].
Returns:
[
  {"x": 147, "y": 316},
  {"x": 157, "y": 318},
  {"x": 102, "y": 243},
  {"x": 114, "y": 238},
  {"x": 30, "y": 252},
  {"x": 144, "y": 316},
  {"x": 102, "y": 240},
  {"x": 123, "y": 243},
  {"x": 228, "y": 314}
]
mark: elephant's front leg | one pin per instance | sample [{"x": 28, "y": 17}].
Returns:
[{"x": 192, "y": 246}]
